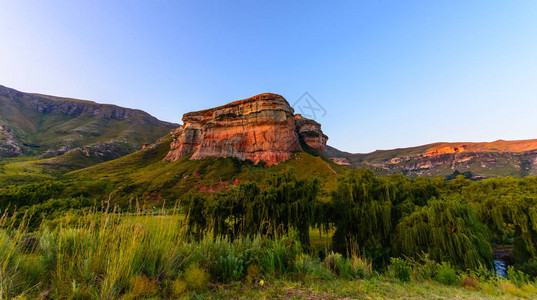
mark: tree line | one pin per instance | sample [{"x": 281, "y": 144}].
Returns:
[{"x": 457, "y": 221}]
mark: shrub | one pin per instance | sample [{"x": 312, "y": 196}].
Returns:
[
  {"x": 361, "y": 266},
  {"x": 314, "y": 268},
  {"x": 252, "y": 273},
  {"x": 530, "y": 268},
  {"x": 401, "y": 269},
  {"x": 517, "y": 277},
  {"x": 338, "y": 265},
  {"x": 228, "y": 268},
  {"x": 446, "y": 274},
  {"x": 178, "y": 288},
  {"x": 423, "y": 268},
  {"x": 141, "y": 286},
  {"x": 280, "y": 259},
  {"x": 470, "y": 283},
  {"x": 488, "y": 288},
  {"x": 195, "y": 277}
]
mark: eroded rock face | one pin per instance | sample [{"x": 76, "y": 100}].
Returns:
[
  {"x": 261, "y": 128},
  {"x": 10, "y": 146},
  {"x": 310, "y": 131}
]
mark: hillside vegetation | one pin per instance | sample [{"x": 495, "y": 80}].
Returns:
[{"x": 50, "y": 135}]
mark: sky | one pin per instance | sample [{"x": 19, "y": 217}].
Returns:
[{"x": 386, "y": 74}]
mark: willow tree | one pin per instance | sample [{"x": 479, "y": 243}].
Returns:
[
  {"x": 514, "y": 215},
  {"x": 446, "y": 229},
  {"x": 508, "y": 206},
  {"x": 361, "y": 211},
  {"x": 285, "y": 202}
]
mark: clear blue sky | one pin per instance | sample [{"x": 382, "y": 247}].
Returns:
[{"x": 389, "y": 73}]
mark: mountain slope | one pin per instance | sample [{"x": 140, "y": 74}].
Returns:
[
  {"x": 145, "y": 175},
  {"x": 42, "y": 135},
  {"x": 498, "y": 158},
  {"x": 32, "y": 124}
]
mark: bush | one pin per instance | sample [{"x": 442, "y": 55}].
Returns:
[
  {"x": 252, "y": 274},
  {"x": 195, "y": 277},
  {"x": 509, "y": 288},
  {"x": 141, "y": 286},
  {"x": 530, "y": 268},
  {"x": 470, "y": 283},
  {"x": 314, "y": 268},
  {"x": 401, "y": 269},
  {"x": 228, "y": 268},
  {"x": 338, "y": 265},
  {"x": 517, "y": 277},
  {"x": 423, "y": 268},
  {"x": 178, "y": 288},
  {"x": 446, "y": 274},
  {"x": 361, "y": 267},
  {"x": 280, "y": 259}
]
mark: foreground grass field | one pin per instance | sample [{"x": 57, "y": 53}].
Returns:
[
  {"x": 110, "y": 256},
  {"x": 366, "y": 289}
]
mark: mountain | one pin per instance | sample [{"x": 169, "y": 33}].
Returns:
[
  {"x": 262, "y": 128},
  {"x": 215, "y": 149},
  {"x": 476, "y": 160},
  {"x": 66, "y": 134}
]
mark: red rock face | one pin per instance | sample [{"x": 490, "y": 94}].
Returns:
[{"x": 261, "y": 128}]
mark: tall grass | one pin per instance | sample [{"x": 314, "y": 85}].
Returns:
[{"x": 104, "y": 255}]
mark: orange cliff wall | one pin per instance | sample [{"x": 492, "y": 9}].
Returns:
[{"x": 261, "y": 128}]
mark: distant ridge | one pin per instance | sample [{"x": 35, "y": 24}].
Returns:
[{"x": 481, "y": 159}]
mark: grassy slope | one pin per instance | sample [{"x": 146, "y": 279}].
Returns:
[
  {"x": 146, "y": 175},
  {"x": 87, "y": 124}
]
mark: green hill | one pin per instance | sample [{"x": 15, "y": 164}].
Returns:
[
  {"x": 144, "y": 175},
  {"x": 44, "y": 135}
]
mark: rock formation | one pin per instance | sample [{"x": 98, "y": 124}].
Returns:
[
  {"x": 10, "y": 146},
  {"x": 311, "y": 133},
  {"x": 499, "y": 158},
  {"x": 261, "y": 128}
]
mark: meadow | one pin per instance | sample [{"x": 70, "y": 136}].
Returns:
[
  {"x": 284, "y": 236},
  {"x": 105, "y": 254}
]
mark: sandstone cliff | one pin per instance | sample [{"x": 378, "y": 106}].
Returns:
[{"x": 260, "y": 128}]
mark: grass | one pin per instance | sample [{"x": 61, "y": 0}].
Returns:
[
  {"x": 145, "y": 175},
  {"x": 107, "y": 255},
  {"x": 350, "y": 289}
]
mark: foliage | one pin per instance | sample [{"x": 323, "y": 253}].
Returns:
[
  {"x": 361, "y": 211},
  {"x": 110, "y": 256},
  {"x": 447, "y": 230},
  {"x": 195, "y": 277},
  {"x": 401, "y": 269},
  {"x": 447, "y": 274},
  {"x": 285, "y": 203},
  {"x": 517, "y": 277}
]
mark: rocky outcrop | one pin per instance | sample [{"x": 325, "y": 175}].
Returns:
[
  {"x": 311, "y": 133},
  {"x": 10, "y": 146},
  {"x": 499, "y": 158},
  {"x": 261, "y": 128}
]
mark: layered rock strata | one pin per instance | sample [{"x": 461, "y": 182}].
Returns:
[
  {"x": 311, "y": 133},
  {"x": 260, "y": 128}
]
